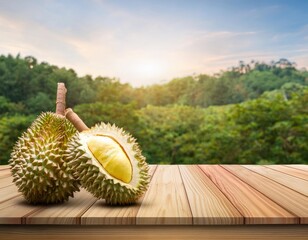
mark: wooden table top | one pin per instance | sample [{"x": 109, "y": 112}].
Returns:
[{"x": 180, "y": 195}]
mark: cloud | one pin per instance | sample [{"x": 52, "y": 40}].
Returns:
[
  {"x": 100, "y": 38},
  {"x": 208, "y": 51}
]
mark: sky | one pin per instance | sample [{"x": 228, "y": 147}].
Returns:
[{"x": 147, "y": 42}]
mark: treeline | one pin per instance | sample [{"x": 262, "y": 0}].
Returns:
[{"x": 230, "y": 117}]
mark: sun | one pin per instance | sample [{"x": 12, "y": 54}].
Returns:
[{"x": 149, "y": 68}]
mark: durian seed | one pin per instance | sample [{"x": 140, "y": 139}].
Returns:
[{"x": 112, "y": 157}]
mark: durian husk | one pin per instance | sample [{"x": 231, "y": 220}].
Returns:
[
  {"x": 96, "y": 179},
  {"x": 38, "y": 164}
]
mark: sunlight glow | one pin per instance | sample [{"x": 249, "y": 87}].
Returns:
[{"x": 149, "y": 68}]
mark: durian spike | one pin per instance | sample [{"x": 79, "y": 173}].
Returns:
[
  {"x": 108, "y": 161},
  {"x": 75, "y": 120},
  {"x": 38, "y": 162},
  {"x": 60, "y": 102}
]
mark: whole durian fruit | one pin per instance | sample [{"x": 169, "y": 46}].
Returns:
[
  {"x": 38, "y": 165},
  {"x": 109, "y": 164}
]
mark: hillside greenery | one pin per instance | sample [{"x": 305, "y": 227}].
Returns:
[{"x": 254, "y": 113}]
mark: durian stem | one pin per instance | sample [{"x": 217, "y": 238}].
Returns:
[
  {"x": 60, "y": 102},
  {"x": 75, "y": 120}
]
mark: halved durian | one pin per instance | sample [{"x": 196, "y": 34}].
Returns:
[
  {"x": 109, "y": 163},
  {"x": 39, "y": 168}
]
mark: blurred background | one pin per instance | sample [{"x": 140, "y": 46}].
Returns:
[{"x": 193, "y": 81}]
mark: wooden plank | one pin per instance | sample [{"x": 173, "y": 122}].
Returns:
[
  {"x": 5, "y": 173},
  {"x": 254, "y": 206},
  {"x": 4, "y": 167},
  {"x": 289, "y": 170},
  {"x": 165, "y": 202},
  {"x": 289, "y": 199},
  {"x": 300, "y": 167},
  {"x": 8, "y": 192},
  {"x": 65, "y": 213},
  {"x": 234, "y": 232},
  {"x": 294, "y": 183},
  {"x": 13, "y": 210},
  {"x": 177, "y": 195},
  {"x": 100, "y": 213},
  {"x": 5, "y": 182},
  {"x": 13, "y": 201},
  {"x": 208, "y": 205}
]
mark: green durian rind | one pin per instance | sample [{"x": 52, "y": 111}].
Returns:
[
  {"x": 100, "y": 183},
  {"x": 38, "y": 165}
]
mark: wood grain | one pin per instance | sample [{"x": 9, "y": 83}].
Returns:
[
  {"x": 65, "y": 213},
  {"x": 254, "y": 206},
  {"x": 289, "y": 170},
  {"x": 102, "y": 214},
  {"x": 165, "y": 201},
  {"x": 5, "y": 182},
  {"x": 290, "y": 200},
  {"x": 235, "y": 232},
  {"x": 182, "y": 195},
  {"x": 4, "y": 167},
  {"x": 5, "y": 173},
  {"x": 300, "y": 167},
  {"x": 13, "y": 210},
  {"x": 208, "y": 204},
  {"x": 8, "y": 192},
  {"x": 292, "y": 182}
]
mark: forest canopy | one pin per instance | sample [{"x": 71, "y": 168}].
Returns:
[{"x": 253, "y": 113}]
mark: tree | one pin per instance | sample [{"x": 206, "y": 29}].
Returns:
[
  {"x": 11, "y": 127},
  {"x": 123, "y": 115}
]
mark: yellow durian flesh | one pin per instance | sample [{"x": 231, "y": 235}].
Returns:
[
  {"x": 112, "y": 157},
  {"x": 95, "y": 178}
]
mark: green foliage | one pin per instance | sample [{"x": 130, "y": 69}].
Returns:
[
  {"x": 167, "y": 133},
  {"x": 185, "y": 135},
  {"x": 123, "y": 115},
  {"x": 269, "y": 129},
  {"x": 253, "y": 113},
  {"x": 7, "y": 107},
  {"x": 273, "y": 129},
  {"x": 11, "y": 127},
  {"x": 40, "y": 102}
]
